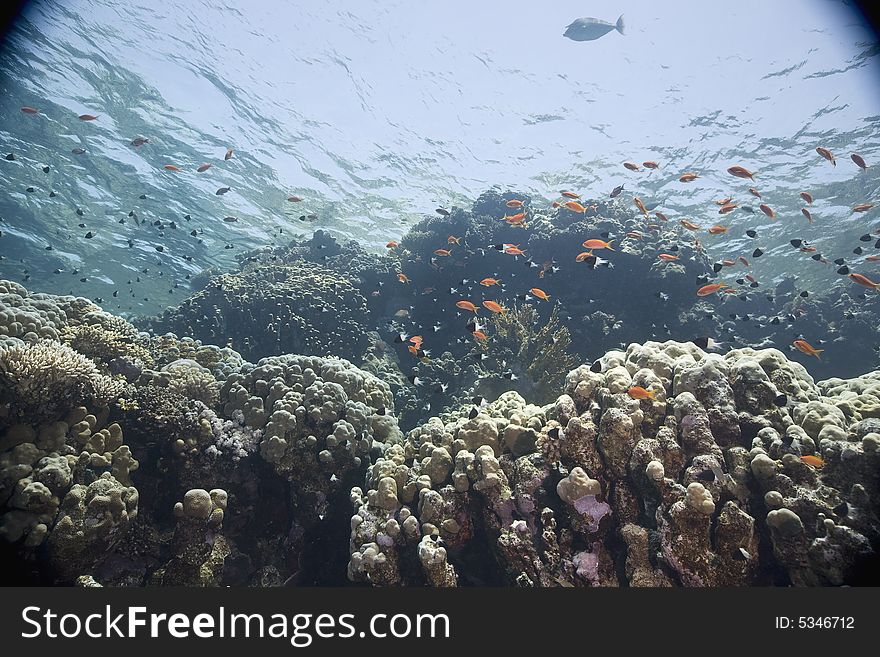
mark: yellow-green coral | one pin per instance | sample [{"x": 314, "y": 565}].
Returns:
[{"x": 541, "y": 351}]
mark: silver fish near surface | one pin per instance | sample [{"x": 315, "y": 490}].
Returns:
[{"x": 590, "y": 29}]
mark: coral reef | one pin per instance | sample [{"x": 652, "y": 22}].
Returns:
[{"x": 271, "y": 309}]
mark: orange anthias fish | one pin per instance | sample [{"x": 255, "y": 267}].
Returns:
[
  {"x": 727, "y": 207},
  {"x": 479, "y": 335},
  {"x": 807, "y": 214},
  {"x": 493, "y": 306},
  {"x": 467, "y": 305},
  {"x": 204, "y": 167},
  {"x": 650, "y": 164},
  {"x": 488, "y": 282},
  {"x": 568, "y": 194},
  {"x": 724, "y": 201},
  {"x": 687, "y": 224},
  {"x": 864, "y": 280},
  {"x": 87, "y": 117},
  {"x": 517, "y": 218},
  {"x": 442, "y": 252},
  {"x": 30, "y": 110},
  {"x": 668, "y": 257},
  {"x": 859, "y": 160},
  {"x": 417, "y": 340},
  {"x": 403, "y": 278},
  {"x": 743, "y": 260},
  {"x": 171, "y": 167},
  {"x": 555, "y": 204},
  {"x": 688, "y": 177},
  {"x": 452, "y": 239},
  {"x": 807, "y": 197},
  {"x": 807, "y": 348},
  {"x": 598, "y": 244},
  {"x": 740, "y": 172},
  {"x": 514, "y": 250},
  {"x": 634, "y": 235},
  {"x": 863, "y": 207},
  {"x": 754, "y": 192},
  {"x": 638, "y": 392},
  {"x": 828, "y": 155},
  {"x": 539, "y": 293},
  {"x": 766, "y": 209},
  {"x": 718, "y": 229},
  {"x": 392, "y": 245},
  {"x": 229, "y": 152},
  {"x": 813, "y": 461},
  {"x": 640, "y": 205},
  {"x": 661, "y": 216},
  {"x": 873, "y": 258},
  {"x": 583, "y": 256},
  {"x": 727, "y": 262},
  {"x": 632, "y": 166},
  {"x": 514, "y": 203},
  {"x": 574, "y": 206},
  {"x": 712, "y": 288}
]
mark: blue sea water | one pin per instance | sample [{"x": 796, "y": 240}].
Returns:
[{"x": 376, "y": 112}]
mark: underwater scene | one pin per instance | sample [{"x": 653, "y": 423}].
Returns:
[{"x": 386, "y": 293}]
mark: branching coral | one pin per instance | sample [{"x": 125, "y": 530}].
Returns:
[
  {"x": 540, "y": 354},
  {"x": 43, "y": 379}
]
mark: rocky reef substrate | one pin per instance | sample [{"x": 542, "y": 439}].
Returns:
[{"x": 133, "y": 458}]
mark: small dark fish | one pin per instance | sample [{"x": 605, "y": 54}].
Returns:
[
  {"x": 30, "y": 190},
  {"x": 46, "y": 169},
  {"x": 474, "y": 412},
  {"x": 817, "y": 257},
  {"x": 230, "y": 220},
  {"x": 780, "y": 399},
  {"x": 415, "y": 380},
  {"x": 839, "y": 261},
  {"x": 380, "y": 410},
  {"x": 78, "y": 151},
  {"x": 222, "y": 191},
  {"x": 859, "y": 160},
  {"x": 804, "y": 294},
  {"x": 775, "y": 321},
  {"x": 858, "y": 250},
  {"x": 757, "y": 253},
  {"x": 442, "y": 211},
  {"x": 10, "y": 156},
  {"x": 706, "y": 475},
  {"x": 751, "y": 232},
  {"x": 590, "y": 29},
  {"x": 841, "y": 510},
  {"x": 865, "y": 238},
  {"x": 553, "y": 433},
  {"x": 596, "y": 367},
  {"x": 843, "y": 270},
  {"x": 160, "y": 248},
  {"x": 142, "y": 196},
  {"x": 616, "y": 191},
  {"x": 193, "y": 233},
  {"x": 80, "y": 212},
  {"x": 89, "y": 235},
  {"x": 717, "y": 267},
  {"x": 52, "y": 194},
  {"x": 139, "y": 141}
]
